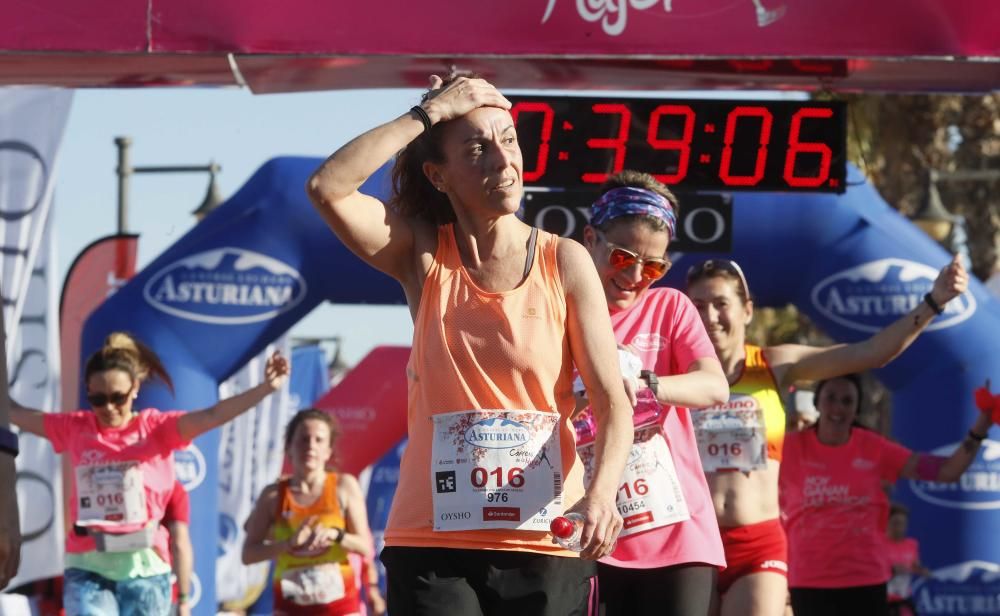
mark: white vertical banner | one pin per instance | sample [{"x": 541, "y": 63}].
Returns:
[
  {"x": 34, "y": 382},
  {"x": 251, "y": 453},
  {"x": 32, "y": 122}
]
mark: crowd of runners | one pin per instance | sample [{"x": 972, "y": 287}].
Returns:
[{"x": 706, "y": 505}]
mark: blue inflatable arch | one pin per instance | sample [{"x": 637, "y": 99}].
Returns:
[{"x": 264, "y": 259}]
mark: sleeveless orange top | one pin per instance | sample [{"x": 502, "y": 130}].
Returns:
[
  {"x": 758, "y": 381},
  {"x": 291, "y": 515},
  {"x": 474, "y": 349}
]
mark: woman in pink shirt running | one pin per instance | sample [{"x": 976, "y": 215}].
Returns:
[
  {"x": 835, "y": 508},
  {"x": 669, "y": 550},
  {"x": 117, "y": 554}
]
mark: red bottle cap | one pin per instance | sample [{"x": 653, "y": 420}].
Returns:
[{"x": 561, "y": 527}]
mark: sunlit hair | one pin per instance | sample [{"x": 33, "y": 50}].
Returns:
[
  {"x": 720, "y": 268},
  {"x": 311, "y": 414},
  {"x": 899, "y": 509},
  {"x": 413, "y": 195},
  {"x": 637, "y": 179},
  {"x": 122, "y": 351}
]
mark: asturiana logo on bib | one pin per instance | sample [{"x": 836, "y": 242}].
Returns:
[
  {"x": 497, "y": 433},
  {"x": 971, "y": 587},
  {"x": 227, "y": 286},
  {"x": 870, "y": 296},
  {"x": 977, "y": 489}
]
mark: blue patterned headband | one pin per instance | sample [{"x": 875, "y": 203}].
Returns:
[{"x": 630, "y": 201}]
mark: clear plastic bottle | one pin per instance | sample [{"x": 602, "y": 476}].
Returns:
[
  {"x": 648, "y": 410},
  {"x": 567, "y": 530}
]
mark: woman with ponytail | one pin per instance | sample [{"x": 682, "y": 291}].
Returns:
[{"x": 116, "y": 554}]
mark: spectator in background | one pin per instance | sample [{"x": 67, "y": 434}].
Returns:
[
  {"x": 177, "y": 520},
  {"x": 904, "y": 558}
]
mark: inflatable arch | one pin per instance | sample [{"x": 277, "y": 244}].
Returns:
[{"x": 265, "y": 259}]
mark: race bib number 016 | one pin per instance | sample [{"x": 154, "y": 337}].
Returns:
[
  {"x": 110, "y": 494},
  {"x": 650, "y": 494},
  {"x": 732, "y": 436},
  {"x": 496, "y": 469}
]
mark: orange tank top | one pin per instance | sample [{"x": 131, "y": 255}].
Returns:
[
  {"x": 478, "y": 350},
  {"x": 291, "y": 515}
]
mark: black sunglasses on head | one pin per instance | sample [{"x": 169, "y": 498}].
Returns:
[{"x": 116, "y": 398}]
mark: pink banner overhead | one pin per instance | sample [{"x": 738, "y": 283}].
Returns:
[{"x": 658, "y": 28}]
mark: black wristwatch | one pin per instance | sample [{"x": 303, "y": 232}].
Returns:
[
  {"x": 8, "y": 442},
  {"x": 652, "y": 381}
]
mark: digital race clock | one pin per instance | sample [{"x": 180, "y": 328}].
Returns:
[{"x": 574, "y": 142}]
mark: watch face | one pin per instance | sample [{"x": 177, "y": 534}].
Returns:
[{"x": 578, "y": 142}]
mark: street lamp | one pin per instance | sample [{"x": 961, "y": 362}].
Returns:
[
  {"x": 931, "y": 216},
  {"x": 125, "y": 170}
]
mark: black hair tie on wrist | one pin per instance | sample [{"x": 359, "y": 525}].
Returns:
[
  {"x": 425, "y": 119},
  {"x": 933, "y": 304},
  {"x": 979, "y": 438}
]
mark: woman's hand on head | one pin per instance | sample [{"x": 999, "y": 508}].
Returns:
[
  {"x": 276, "y": 370},
  {"x": 460, "y": 97}
]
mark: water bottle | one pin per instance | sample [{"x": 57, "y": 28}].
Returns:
[
  {"x": 647, "y": 408},
  {"x": 567, "y": 530}
]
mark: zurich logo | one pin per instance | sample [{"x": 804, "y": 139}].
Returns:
[
  {"x": 870, "y": 296},
  {"x": 189, "y": 464},
  {"x": 978, "y": 488},
  {"x": 497, "y": 433},
  {"x": 226, "y": 286},
  {"x": 971, "y": 587}
]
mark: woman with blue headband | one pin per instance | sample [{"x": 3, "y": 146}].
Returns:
[{"x": 669, "y": 550}]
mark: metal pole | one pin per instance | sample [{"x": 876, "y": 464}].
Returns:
[{"x": 124, "y": 171}]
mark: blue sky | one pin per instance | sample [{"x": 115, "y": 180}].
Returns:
[{"x": 237, "y": 129}]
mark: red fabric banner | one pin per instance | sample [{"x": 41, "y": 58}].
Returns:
[{"x": 370, "y": 405}]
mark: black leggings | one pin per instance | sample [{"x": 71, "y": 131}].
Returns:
[
  {"x": 853, "y": 601},
  {"x": 452, "y": 582},
  {"x": 680, "y": 590}
]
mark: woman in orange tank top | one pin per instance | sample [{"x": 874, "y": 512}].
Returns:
[
  {"x": 501, "y": 315},
  {"x": 308, "y": 523}
]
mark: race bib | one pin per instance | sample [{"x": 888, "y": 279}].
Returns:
[
  {"x": 314, "y": 585},
  {"x": 496, "y": 469},
  {"x": 732, "y": 436},
  {"x": 110, "y": 494},
  {"x": 650, "y": 494}
]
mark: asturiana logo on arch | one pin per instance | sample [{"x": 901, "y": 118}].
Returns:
[
  {"x": 977, "y": 489},
  {"x": 226, "y": 286},
  {"x": 872, "y": 295},
  {"x": 971, "y": 587},
  {"x": 497, "y": 433}
]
